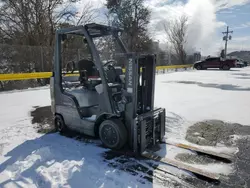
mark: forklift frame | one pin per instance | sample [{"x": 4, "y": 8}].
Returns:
[{"x": 144, "y": 123}]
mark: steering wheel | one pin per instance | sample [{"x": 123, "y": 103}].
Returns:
[
  {"x": 110, "y": 63},
  {"x": 109, "y": 68}
]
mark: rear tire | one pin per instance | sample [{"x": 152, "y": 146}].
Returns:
[
  {"x": 225, "y": 67},
  {"x": 113, "y": 134},
  {"x": 59, "y": 124}
]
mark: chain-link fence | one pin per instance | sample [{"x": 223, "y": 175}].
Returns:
[
  {"x": 24, "y": 59},
  {"x": 28, "y": 59}
]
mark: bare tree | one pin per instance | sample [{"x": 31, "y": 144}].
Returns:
[
  {"x": 176, "y": 31},
  {"x": 87, "y": 14},
  {"x": 33, "y": 22},
  {"x": 133, "y": 17},
  {"x": 27, "y": 32},
  {"x": 28, "y": 22}
]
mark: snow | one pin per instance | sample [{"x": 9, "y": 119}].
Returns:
[
  {"x": 218, "y": 94},
  {"x": 221, "y": 169},
  {"x": 66, "y": 162},
  {"x": 194, "y": 96},
  {"x": 217, "y": 149},
  {"x": 239, "y": 137},
  {"x": 171, "y": 152},
  {"x": 15, "y": 106},
  {"x": 29, "y": 159}
]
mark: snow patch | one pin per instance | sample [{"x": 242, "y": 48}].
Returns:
[
  {"x": 239, "y": 137},
  {"x": 217, "y": 149},
  {"x": 222, "y": 169}
]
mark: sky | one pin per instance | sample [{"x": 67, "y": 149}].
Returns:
[{"x": 207, "y": 20}]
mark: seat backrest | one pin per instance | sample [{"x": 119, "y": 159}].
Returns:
[
  {"x": 87, "y": 66},
  {"x": 87, "y": 71}
]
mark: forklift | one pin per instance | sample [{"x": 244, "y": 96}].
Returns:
[
  {"x": 95, "y": 97},
  {"x": 102, "y": 100}
]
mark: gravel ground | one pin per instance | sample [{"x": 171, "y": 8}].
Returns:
[
  {"x": 214, "y": 132},
  {"x": 42, "y": 117}
]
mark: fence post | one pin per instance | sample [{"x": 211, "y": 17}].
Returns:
[
  {"x": 42, "y": 66},
  {"x": 2, "y": 86},
  {"x": 78, "y": 54}
]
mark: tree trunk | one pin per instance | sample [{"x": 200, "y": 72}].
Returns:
[{"x": 2, "y": 86}]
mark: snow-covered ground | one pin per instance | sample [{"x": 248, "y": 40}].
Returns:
[
  {"x": 199, "y": 95},
  {"x": 193, "y": 96},
  {"x": 29, "y": 159}
]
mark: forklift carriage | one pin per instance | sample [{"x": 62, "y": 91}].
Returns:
[{"x": 100, "y": 100}]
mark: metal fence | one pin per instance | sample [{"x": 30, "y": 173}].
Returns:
[
  {"x": 30, "y": 59},
  {"x": 33, "y": 59},
  {"x": 26, "y": 59}
]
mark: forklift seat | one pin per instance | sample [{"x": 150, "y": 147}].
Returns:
[
  {"x": 89, "y": 75},
  {"x": 85, "y": 65}
]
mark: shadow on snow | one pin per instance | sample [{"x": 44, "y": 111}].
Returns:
[{"x": 228, "y": 87}]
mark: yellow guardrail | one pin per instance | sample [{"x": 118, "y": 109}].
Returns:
[
  {"x": 25, "y": 76},
  {"x": 173, "y": 67},
  {"x": 37, "y": 75}
]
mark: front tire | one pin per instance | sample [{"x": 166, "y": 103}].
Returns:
[
  {"x": 198, "y": 67},
  {"x": 113, "y": 134}
]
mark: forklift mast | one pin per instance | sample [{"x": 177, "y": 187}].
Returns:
[{"x": 145, "y": 124}]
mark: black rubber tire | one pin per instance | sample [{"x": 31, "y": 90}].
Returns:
[
  {"x": 225, "y": 67},
  {"x": 113, "y": 134},
  {"x": 198, "y": 67},
  {"x": 60, "y": 124}
]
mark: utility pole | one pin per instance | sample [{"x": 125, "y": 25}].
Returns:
[{"x": 226, "y": 38}]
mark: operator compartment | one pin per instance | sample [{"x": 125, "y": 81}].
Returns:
[{"x": 82, "y": 86}]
